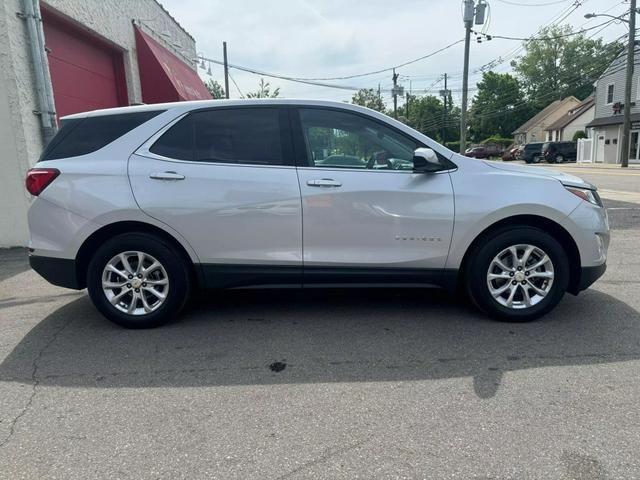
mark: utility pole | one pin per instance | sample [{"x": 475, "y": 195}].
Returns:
[
  {"x": 444, "y": 93},
  {"x": 627, "y": 86},
  {"x": 406, "y": 105},
  {"x": 226, "y": 70},
  {"x": 469, "y": 13},
  {"x": 395, "y": 94}
]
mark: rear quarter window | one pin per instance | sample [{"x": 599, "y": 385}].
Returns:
[{"x": 81, "y": 136}]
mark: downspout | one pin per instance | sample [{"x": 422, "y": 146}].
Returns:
[{"x": 40, "y": 62}]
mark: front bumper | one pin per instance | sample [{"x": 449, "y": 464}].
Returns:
[
  {"x": 588, "y": 275},
  {"x": 57, "y": 271}
]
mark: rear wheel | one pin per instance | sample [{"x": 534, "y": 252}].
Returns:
[
  {"x": 559, "y": 159},
  {"x": 138, "y": 281},
  {"x": 518, "y": 275},
  {"x": 536, "y": 159}
]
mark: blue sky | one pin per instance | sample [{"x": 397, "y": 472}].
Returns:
[{"x": 330, "y": 38}]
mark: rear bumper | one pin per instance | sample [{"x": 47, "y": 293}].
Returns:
[
  {"x": 588, "y": 276},
  {"x": 57, "y": 271}
]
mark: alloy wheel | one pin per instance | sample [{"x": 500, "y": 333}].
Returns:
[
  {"x": 135, "y": 283},
  {"x": 520, "y": 276}
]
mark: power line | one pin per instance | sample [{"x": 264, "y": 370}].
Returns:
[
  {"x": 545, "y": 38},
  {"x": 556, "y": 2},
  {"x": 344, "y": 77}
]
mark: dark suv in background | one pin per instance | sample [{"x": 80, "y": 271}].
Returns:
[
  {"x": 558, "y": 152},
  {"x": 484, "y": 151},
  {"x": 532, "y": 152}
]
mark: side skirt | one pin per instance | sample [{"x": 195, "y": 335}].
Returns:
[{"x": 279, "y": 276}]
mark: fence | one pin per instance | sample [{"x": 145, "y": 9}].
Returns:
[{"x": 585, "y": 150}]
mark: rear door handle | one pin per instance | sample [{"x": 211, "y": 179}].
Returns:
[
  {"x": 324, "y": 182},
  {"x": 166, "y": 176}
]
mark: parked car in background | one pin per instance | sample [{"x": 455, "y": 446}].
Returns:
[
  {"x": 484, "y": 151},
  {"x": 532, "y": 152},
  {"x": 142, "y": 204},
  {"x": 512, "y": 153},
  {"x": 558, "y": 152}
]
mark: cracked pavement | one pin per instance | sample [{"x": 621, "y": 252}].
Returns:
[{"x": 324, "y": 384}]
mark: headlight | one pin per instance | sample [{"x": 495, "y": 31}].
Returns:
[{"x": 587, "y": 195}]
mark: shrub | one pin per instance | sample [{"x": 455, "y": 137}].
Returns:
[{"x": 579, "y": 134}]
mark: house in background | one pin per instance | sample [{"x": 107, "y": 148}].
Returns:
[
  {"x": 575, "y": 120},
  {"x": 606, "y": 127},
  {"x": 533, "y": 130},
  {"x": 59, "y": 57}
]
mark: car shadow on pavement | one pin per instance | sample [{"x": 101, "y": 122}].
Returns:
[{"x": 293, "y": 336}]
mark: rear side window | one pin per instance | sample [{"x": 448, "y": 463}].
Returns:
[
  {"x": 85, "y": 135},
  {"x": 245, "y": 136}
]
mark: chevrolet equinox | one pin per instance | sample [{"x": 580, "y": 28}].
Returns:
[{"x": 142, "y": 204}]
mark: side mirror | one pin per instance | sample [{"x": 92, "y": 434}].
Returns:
[{"x": 425, "y": 160}]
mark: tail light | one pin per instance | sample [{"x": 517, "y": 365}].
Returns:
[{"x": 39, "y": 178}]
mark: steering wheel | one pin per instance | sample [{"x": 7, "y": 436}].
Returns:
[{"x": 372, "y": 162}]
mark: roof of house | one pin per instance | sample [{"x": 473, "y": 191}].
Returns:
[
  {"x": 612, "y": 120},
  {"x": 572, "y": 114},
  {"x": 542, "y": 114}
]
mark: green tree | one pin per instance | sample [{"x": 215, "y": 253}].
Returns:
[
  {"x": 368, "y": 97},
  {"x": 215, "y": 89},
  {"x": 560, "y": 64},
  {"x": 497, "y": 108},
  {"x": 264, "y": 91},
  {"x": 426, "y": 114}
]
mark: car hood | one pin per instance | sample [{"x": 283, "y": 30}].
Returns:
[{"x": 564, "y": 178}]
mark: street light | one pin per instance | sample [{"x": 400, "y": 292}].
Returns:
[{"x": 631, "y": 24}]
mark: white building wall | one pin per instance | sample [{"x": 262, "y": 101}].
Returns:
[
  {"x": 578, "y": 124},
  {"x": 20, "y": 134}
]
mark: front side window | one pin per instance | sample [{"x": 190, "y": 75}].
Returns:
[
  {"x": 242, "y": 136},
  {"x": 337, "y": 139}
]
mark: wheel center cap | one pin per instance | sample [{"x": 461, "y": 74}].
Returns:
[
  {"x": 136, "y": 283},
  {"x": 519, "y": 276}
]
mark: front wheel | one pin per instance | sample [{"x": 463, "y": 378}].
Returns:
[
  {"x": 536, "y": 159},
  {"x": 518, "y": 275},
  {"x": 559, "y": 159},
  {"x": 138, "y": 281}
]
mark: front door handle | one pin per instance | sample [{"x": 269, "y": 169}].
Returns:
[
  {"x": 166, "y": 176},
  {"x": 324, "y": 182}
]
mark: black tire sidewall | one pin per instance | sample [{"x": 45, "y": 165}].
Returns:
[
  {"x": 482, "y": 257},
  {"x": 171, "y": 260}
]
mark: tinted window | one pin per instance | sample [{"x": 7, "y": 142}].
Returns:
[
  {"x": 247, "y": 135},
  {"x": 346, "y": 140},
  {"x": 85, "y": 135}
]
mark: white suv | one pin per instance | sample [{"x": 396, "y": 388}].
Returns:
[{"x": 142, "y": 204}]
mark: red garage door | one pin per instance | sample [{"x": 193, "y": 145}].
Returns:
[{"x": 86, "y": 73}]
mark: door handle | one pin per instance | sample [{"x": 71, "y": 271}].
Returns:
[
  {"x": 166, "y": 176},
  {"x": 324, "y": 182}
]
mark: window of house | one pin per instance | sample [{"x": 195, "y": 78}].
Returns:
[{"x": 610, "y": 88}]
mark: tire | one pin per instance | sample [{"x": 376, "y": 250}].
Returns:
[
  {"x": 171, "y": 280},
  {"x": 559, "y": 159},
  {"x": 535, "y": 159},
  {"x": 551, "y": 278}
]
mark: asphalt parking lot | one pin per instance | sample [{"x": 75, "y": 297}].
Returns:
[{"x": 327, "y": 384}]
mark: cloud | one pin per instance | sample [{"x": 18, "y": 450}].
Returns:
[{"x": 313, "y": 38}]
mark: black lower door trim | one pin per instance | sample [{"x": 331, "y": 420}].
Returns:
[
  {"x": 239, "y": 276},
  {"x": 236, "y": 276}
]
